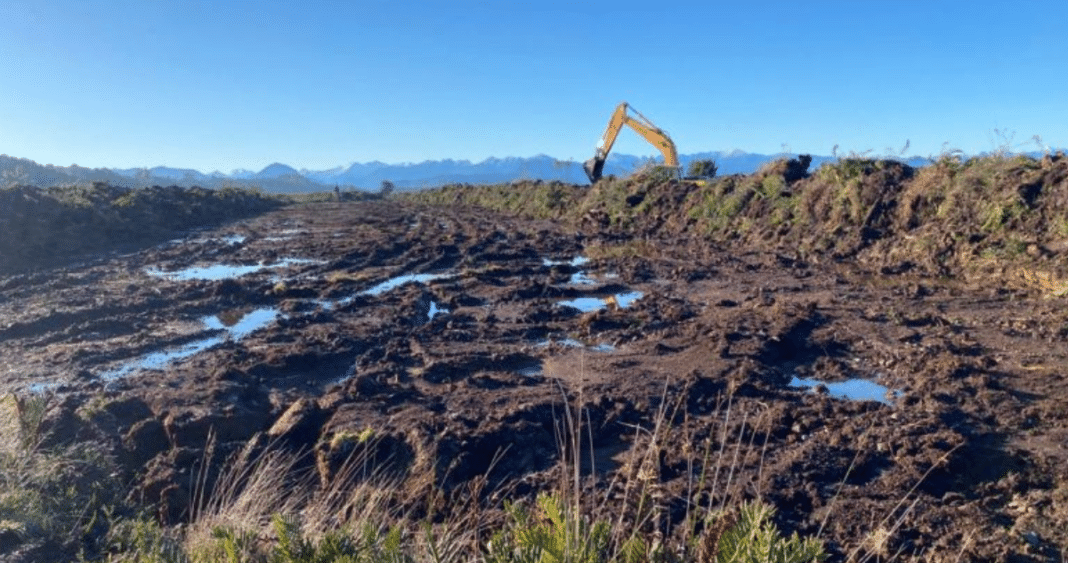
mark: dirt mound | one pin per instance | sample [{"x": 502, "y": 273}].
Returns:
[
  {"x": 44, "y": 227},
  {"x": 534, "y": 198},
  {"x": 983, "y": 216}
]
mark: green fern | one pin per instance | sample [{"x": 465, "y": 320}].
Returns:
[
  {"x": 633, "y": 550},
  {"x": 226, "y": 545},
  {"x": 230, "y": 544},
  {"x": 755, "y": 539},
  {"x": 292, "y": 546},
  {"x": 557, "y": 537}
]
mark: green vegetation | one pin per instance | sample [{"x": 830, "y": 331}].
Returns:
[
  {"x": 542, "y": 200},
  {"x": 957, "y": 216},
  {"x": 386, "y": 189},
  {"x": 50, "y": 494},
  {"x": 723, "y": 207},
  {"x": 702, "y": 169},
  {"x": 717, "y": 206},
  {"x": 39, "y": 226},
  {"x": 755, "y": 539},
  {"x": 654, "y": 173}
]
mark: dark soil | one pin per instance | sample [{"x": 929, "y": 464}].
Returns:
[{"x": 965, "y": 456}]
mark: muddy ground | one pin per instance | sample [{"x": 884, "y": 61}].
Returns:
[{"x": 956, "y": 444}]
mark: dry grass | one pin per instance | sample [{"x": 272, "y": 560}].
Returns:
[{"x": 1046, "y": 282}]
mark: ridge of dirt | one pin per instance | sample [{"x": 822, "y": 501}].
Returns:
[
  {"x": 41, "y": 227},
  {"x": 966, "y": 218}
]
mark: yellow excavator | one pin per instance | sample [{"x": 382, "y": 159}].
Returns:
[{"x": 643, "y": 126}]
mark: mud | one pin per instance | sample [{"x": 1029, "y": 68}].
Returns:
[{"x": 312, "y": 343}]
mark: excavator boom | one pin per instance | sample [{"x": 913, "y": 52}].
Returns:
[{"x": 643, "y": 127}]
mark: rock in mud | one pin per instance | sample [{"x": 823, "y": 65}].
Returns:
[{"x": 300, "y": 424}]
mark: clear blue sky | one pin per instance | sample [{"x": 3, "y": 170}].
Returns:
[{"x": 242, "y": 84}]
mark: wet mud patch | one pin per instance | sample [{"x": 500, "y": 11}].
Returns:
[{"x": 435, "y": 341}]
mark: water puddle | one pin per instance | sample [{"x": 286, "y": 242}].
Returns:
[
  {"x": 349, "y": 373},
  {"x": 851, "y": 389},
  {"x": 225, "y": 239},
  {"x": 41, "y": 387},
  {"x": 534, "y": 370},
  {"x": 392, "y": 283},
  {"x": 567, "y": 342},
  {"x": 159, "y": 360},
  {"x": 401, "y": 280},
  {"x": 572, "y": 343},
  {"x": 220, "y": 272},
  {"x": 235, "y": 326},
  {"x": 580, "y": 278},
  {"x": 434, "y": 311},
  {"x": 576, "y": 261},
  {"x": 590, "y": 304},
  {"x": 584, "y": 304},
  {"x": 240, "y": 325},
  {"x": 331, "y": 304},
  {"x": 287, "y": 234}
]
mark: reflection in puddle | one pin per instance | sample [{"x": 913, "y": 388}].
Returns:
[
  {"x": 589, "y": 304},
  {"x": 569, "y": 342},
  {"x": 580, "y": 278},
  {"x": 212, "y": 273},
  {"x": 401, "y": 280},
  {"x": 228, "y": 239},
  {"x": 572, "y": 343},
  {"x": 531, "y": 371},
  {"x": 159, "y": 360},
  {"x": 576, "y": 261},
  {"x": 239, "y": 326},
  {"x": 41, "y": 386},
  {"x": 392, "y": 283},
  {"x": 577, "y": 278},
  {"x": 349, "y": 373},
  {"x": 224, "y": 271},
  {"x": 852, "y": 389},
  {"x": 435, "y": 310},
  {"x": 585, "y": 304},
  {"x": 236, "y": 327}
]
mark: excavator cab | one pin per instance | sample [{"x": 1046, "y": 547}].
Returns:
[{"x": 658, "y": 138}]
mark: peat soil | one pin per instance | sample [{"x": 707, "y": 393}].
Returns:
[{"x": 890, "y": 413}]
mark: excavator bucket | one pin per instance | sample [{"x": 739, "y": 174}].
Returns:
[{"x": 593, "y": 168}]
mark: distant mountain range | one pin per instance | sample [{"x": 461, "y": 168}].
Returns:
[{"x": 281, "y": 178}]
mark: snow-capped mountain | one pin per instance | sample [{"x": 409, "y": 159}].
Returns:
[{"x": 283, "y": 178}]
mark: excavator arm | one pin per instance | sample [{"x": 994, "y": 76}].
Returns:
[{"x": 643, "y": 127}]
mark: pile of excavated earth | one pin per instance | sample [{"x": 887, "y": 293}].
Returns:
[
  {"x": 876, "y": 350},
  {"x": 45, "y": 227}
]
